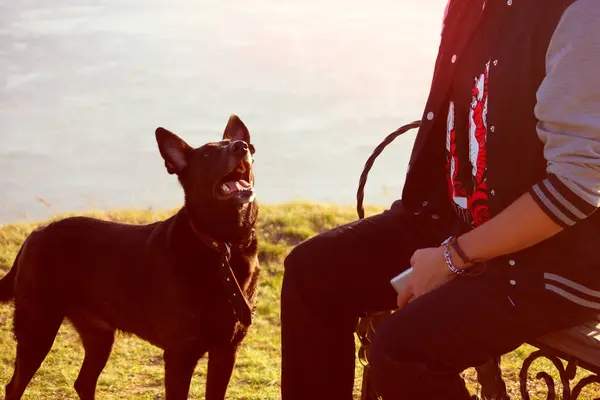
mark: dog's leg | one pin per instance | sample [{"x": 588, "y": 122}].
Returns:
[
  {"x": 221, "y": 361},
  {"x": 179, "y": 368},
  {"x": 35, "y": 330},
  {"x": 97, "y": 343}
]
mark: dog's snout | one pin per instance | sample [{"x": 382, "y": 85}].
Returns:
[{"x": 239, "y": 146}]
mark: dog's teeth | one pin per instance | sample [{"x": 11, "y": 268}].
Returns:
[{"x": 225, "y": 188}]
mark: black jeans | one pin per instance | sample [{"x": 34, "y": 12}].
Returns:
[{"x": 418, "y": 353}]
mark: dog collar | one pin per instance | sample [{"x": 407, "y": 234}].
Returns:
[{"x": 221, "y": 247}]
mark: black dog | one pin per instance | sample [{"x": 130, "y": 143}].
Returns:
[{"x": 186, "y": 284}]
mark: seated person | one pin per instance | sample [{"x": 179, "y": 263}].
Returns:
[{"x": 506, "y": 165}]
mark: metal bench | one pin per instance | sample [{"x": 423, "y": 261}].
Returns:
[{"x": 579, "y": 346}]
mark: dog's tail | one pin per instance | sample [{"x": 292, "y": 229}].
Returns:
[{"x": 7, "y": 283}]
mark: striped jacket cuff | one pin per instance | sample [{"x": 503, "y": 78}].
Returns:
[{"x": 559, "y": 202}]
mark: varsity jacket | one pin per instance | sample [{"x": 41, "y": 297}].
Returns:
[{"x": 534, "y": 128}]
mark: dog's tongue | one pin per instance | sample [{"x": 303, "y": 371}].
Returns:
[{"x": 234, "y": 186}]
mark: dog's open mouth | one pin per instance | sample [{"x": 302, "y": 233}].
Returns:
[{"x": 237, "y": 183}]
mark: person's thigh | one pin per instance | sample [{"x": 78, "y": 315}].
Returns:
[
  {"x": 459, "y": 325},
  {"x": 351, "y": 265},
  {"x": 329, "y": 281}
]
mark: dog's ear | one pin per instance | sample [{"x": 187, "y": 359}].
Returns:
[
  {"x": 236, "y": 130},
  {"x": 173, "y": 150}
]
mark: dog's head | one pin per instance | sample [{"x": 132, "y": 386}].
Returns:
[{"x": 216, "y": 177}]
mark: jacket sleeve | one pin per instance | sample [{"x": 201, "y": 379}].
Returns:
[{"x": 568, "y": 111}]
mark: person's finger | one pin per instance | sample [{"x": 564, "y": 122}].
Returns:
[
  {"x": 412, "y": 258},
  {"x": 404, "y": 297}
]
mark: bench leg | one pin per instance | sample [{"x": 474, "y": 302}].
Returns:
[
  {"x": 367, "y": 389},
  {"x": 489, "y": 376}
]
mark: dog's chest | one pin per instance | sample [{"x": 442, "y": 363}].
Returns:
[{"x": 201, "y": 306}]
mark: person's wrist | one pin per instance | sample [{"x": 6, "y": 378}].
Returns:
[
  {"x": 444, "y": 264},
  {"x": 458, "y": 251},
  {"x": 457, "y": 260},
  {"x": 453, "y": 263}
]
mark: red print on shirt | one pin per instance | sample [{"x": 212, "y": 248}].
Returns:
[{"x": 471, "y": 205}]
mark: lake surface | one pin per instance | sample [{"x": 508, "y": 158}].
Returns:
[{"x": 83, "y": 85}]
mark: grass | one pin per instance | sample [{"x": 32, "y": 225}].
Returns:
[{"x": 135, "y": 369}]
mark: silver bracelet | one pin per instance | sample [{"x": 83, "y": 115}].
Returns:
[{"x": 448, "y": 258}]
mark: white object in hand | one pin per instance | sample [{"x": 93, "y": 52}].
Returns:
[{"x": 399, "y": 281}]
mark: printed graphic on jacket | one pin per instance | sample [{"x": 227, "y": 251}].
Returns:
[{"x": 469, "y": 191}]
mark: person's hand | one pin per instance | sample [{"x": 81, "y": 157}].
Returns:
[{"x": 429, "y": 272}]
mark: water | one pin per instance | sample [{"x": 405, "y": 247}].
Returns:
[{"x": 83, "y": 85}]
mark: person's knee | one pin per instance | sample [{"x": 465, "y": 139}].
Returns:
[
  {"x": 308, "y": 270},
  {"x": 308, "y": 259},
  {"x": 299, "y": 270},
  {"x": 297, "y": 266},
  {"x": 296, "y": 260}
]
